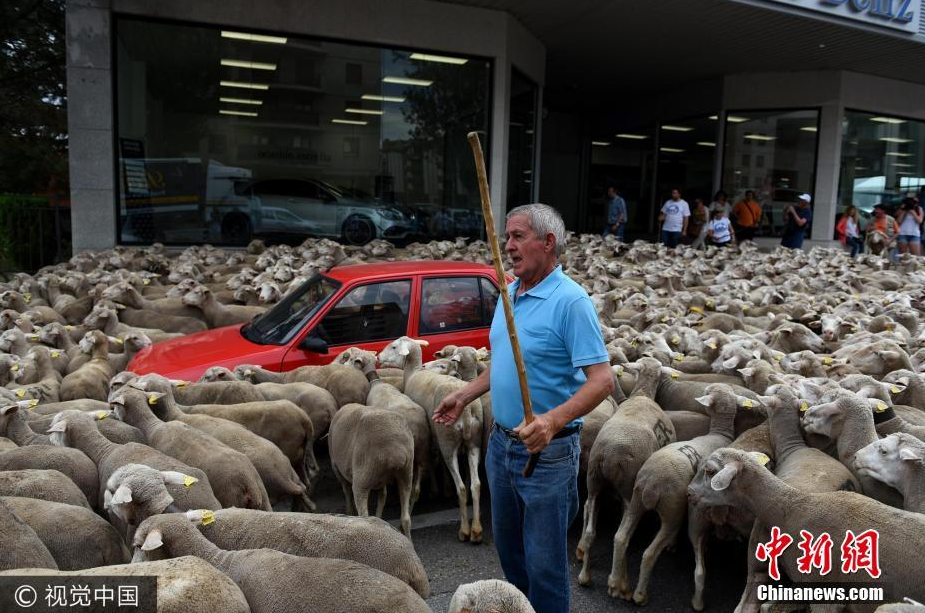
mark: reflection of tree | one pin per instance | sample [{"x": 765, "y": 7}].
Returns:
[{"x": 440, "y": 116}]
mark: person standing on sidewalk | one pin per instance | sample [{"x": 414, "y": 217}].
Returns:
[
  {"x": 568, "y": 373},
  {"x": 848, "y": 230},
  {"x": 616, "y": 214},
  {"x": 796, "y": 220},
  {"x": 674, "y": 217},
  {"x": 746, "y": 217},
  {"x": 909, "y": 216}
]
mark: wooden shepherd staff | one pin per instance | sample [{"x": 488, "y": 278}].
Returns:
[{"x": 502, "y": 281}]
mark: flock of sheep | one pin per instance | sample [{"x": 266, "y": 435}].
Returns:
[{"x": 754, "y": 391}]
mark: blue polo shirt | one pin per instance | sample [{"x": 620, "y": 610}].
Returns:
[{"x": 559, "y": 333}]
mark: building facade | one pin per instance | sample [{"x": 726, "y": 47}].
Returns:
[{"x": 218, "y": 122}]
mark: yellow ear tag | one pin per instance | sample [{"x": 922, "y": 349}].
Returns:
[
  {"x": 827, "y": 361},
  {"x": 762, "y": 459},
  {"x": 881, "y": 407},
  {"x": 711, "y": 345},
  {"x": 696, "y": 309},
  {"x": 20, "y": 393},
  {"x": 664, "y": 319},
  {"x": 710, "y": 304},
  {"x": 634, "y": 342},
  {"x": 146, "y": 281},
  {"x": 675, "y": 340},
  {"x": 68, "y": 327},
  {"x": 208, "y": 517},
  {"x": 34, "y": 338},
  {"x": 679, "y": 358},
  {"x": 27, "y": 297},
  {"x": 889, "y": 328},
  {"x": 152, "y": 400},
  {"x": 747, "y": 403},
  {"x": 55, "y": 354},
  {"x": 854, "y": 328},
  {"x": 804, "y": 406},
  {"x": 119, "y": 341},
  {"x": 189, "y": 481},
  {"x": 101, "y": 415},
  {"x": 674, "y": 375},
  {"x": 33, "y": 403},
  {"x": 182, "y": 384},
  {"x": 778, "y": 358},
  {"x": 744, "y": 309},
  {"x": 14, "y": 367},
  {"x": 894, "y": 389}
]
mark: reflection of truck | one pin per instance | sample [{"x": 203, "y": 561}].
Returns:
[{"x": 186, "y": 201}]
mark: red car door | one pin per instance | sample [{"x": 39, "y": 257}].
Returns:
[{"x": 455, "y": 310}]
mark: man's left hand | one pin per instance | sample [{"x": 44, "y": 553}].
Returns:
[{"x": 538, "y": 433}]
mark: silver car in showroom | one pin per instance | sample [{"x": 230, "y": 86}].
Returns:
[{"x": 337, "y": 212}]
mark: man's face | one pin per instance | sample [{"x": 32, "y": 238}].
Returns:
[
  {"x": 749, "y": 195},
  {"x": 675, "y": 194},
  {"x": 527, "y": 252},
  {"x": 879, "y": 213},
  {"x": 611, "y": 192}
]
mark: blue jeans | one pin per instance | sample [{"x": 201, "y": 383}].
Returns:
[
  {"x": 671, "y": 239},
  {"x": 793, "y": 241},
  {"x": 856, "y": 243},
  {"x": 530, "y": 516}
]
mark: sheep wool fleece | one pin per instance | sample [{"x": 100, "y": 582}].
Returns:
[{"x": 559, "y": 334}]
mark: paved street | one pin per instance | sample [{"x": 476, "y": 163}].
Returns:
[{"x": 450, "y": 563}]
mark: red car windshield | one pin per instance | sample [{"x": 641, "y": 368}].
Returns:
[{"x": 278, "y": 325}]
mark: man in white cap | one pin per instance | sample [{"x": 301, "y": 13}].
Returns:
[{"x": 796, "y": 221}]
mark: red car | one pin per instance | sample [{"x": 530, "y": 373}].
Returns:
[{"x": 366, "y": 306}]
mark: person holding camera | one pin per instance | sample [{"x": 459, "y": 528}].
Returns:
[{"x": 910, "y": 218}]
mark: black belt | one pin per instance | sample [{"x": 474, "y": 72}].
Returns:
[{"x": 566, "y": 431}]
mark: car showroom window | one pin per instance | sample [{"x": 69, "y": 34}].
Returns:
[
  {"x": 451, "y": 303},
  {"x": 378, "y": 311}
]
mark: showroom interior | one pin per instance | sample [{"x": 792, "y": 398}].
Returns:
[{"x": 191, "y": 123}]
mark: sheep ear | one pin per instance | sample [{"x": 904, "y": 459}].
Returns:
[
  {"x": 403, "y": 348},
  {"x": 153, "y": 397},
  {"x": 894, "y": 388},
  {"x": 731, "y": 362},
  {"x": 122, "y": 495},
  {"x": 746, "y": 403},
  {"x": 61, "y": 426},
  {"x": 756, "y": 354},
  {"x": 910, "y": 455},
  {"x": 172, "y": 477},
  {"x": 877, "y": 405},
  {"x": 456, "y": 358},
  {"x": 723, "y": 478},
  {"x": 903, "y": 381},
  {"x": 746, "y": 372},
  {"x": 421, "y": 342},
  {"x": 120, "y": 400},
  {"x": 154, "y": 540},
  {"x": 814, "y": 324},
  {"x": 887, "y": 354},
  {"x": 705, "y": 400},
  {"x": 759, "y": 457},
  {"x": 10, "y": 408}
]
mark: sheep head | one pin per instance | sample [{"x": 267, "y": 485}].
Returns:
[{"x": 890, "y": 459}]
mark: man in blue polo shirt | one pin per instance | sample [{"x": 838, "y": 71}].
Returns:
[{"x": 569, "y": 374}]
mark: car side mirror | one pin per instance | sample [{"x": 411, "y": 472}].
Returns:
[{"x": 313, "y": 343}]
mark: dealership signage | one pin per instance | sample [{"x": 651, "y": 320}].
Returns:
[{"x": 897, "y": 14}]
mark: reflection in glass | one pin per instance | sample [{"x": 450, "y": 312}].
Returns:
[
  {"x": 772, "y": 153},
  {"x": 882, "y": 160},
  {"x": 373, "y": 312},
  {"x": 624, "y": 161},
  {"x": 686, "y": 154},
  {"x": 226, "y": 136},
  {"x": 278, "y": 325},
  {"x": 521, "y": 139}
]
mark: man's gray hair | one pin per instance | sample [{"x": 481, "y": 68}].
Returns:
[{"x": 544, "y": 220}]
